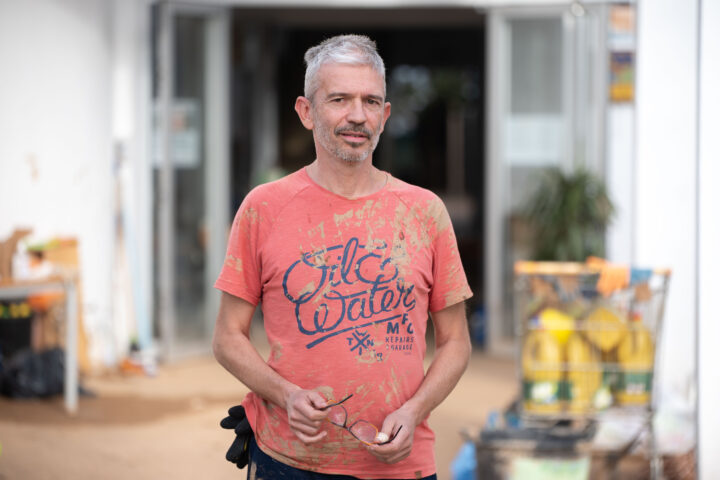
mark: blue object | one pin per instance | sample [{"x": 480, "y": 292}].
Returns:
[
  {"x": 464, "y": 465},
  {"x": 640, "y": 275},
  {"x": 477, "y": 326},
  {"x": 493, "y": 420}
]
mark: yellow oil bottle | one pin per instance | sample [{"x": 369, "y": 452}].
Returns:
[
  {"x": 542, "y": 371},
  {"x": 604, "y": 328},
  {"x": 635, "y": 354},
  {"x": 584, "y": 374}
]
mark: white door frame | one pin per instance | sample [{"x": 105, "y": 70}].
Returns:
[
  {"x": 496, "y": 182},
  {"x": 217, "y": 153}
]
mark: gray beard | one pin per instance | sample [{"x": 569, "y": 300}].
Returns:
[
  {"x": 325, "y": 138},
  {"x": 351, "y": 157}
]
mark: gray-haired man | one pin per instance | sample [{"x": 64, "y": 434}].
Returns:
[{"x": 347, "y": 262}]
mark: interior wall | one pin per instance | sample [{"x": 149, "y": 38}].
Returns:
[{"x": 56, "y": 152}]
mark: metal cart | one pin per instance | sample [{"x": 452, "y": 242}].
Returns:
[{"x": 587, "y": 343}]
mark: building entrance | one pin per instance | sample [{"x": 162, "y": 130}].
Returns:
[{"x": 435, "y": 82}]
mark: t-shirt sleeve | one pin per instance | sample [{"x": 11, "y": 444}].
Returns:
[
  {"x": 450, "y": 284},
  {"x": 240, "y": 274}
]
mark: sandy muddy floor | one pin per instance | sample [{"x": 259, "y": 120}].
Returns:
[{"x": 167, "y": 426}]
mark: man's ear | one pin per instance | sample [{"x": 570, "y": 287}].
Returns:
[
  {"x": 386, "y": 115},
  {"x": 303, "y": 107}
]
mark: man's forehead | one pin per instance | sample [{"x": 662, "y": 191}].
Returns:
[{"x": 347, "y": 78}]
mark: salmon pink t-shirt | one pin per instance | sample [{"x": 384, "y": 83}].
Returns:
[{"x": 345, "y": 288}]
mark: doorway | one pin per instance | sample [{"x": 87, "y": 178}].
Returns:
[
  {"x": 190, "y": 165},
  {"x": 435, "y": 70}
]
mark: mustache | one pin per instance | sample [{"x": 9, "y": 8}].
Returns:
[{"x": 353, "y": 129}]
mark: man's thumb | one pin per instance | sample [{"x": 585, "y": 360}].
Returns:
[{"x": 317, "y": 400}]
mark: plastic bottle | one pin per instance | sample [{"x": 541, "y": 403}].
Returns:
[
  {"x": 542, "y": 374},
  {"x": 605, "y": 328},
  {"x": 636, "y": 355},
  {"x": 584, "y": 374},
  {"x": 559, "y": 323}
]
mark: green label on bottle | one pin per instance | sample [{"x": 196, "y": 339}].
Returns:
[
  {"x": 635, "y": 383},
  {"x": 541, "y": 392},
  {"x": 612, "y": 378}
]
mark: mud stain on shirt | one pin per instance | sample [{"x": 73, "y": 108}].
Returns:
[
  {"x": 276, "y": 352},
  {"x": 234, "y": 262},
  {"x": 309, "y": 288},
  {"x": 319, "y": 230},
  {"x": 343, "y": 218}
]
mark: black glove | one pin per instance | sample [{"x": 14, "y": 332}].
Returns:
[{"x": 239, "y": 450}]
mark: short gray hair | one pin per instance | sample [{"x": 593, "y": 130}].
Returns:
[{"x": 344, "y": 49}]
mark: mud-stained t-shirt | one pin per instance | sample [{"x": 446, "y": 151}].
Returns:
[{"x": 345, "y": 288}]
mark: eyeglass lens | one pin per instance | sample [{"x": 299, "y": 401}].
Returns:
[
  {"x": 337, "y": 415},
  {"x": 363, "y": 430}
]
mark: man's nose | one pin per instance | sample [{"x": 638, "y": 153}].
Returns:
[{"x": 356, "y": 113}]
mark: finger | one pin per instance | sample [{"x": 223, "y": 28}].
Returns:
[
  {"x": 303, "y": 408},
  {"x": 308, "y": 416},
  {"x": 389, "y": 434},
  {"x": 305, "y": 428},
  {"x": 311, "y": 413},
  {"x": 392, "y": 456},
  {"x": 308, "y": 439},
  {"x": 300, "y": 416},
  {"x": 398, "y": 458},
  {"x": 317, "y": 401},
  {"x": 389, "y": 428},
  {"x": 394, "y": 451},
  {"x": 385, "y": 451}
]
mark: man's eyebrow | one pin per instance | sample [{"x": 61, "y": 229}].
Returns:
[
  {"x": 344, "y": 94},
  {"x": 376, "y": 97}
]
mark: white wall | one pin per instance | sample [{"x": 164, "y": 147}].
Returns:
[
  {"x": 678, "y": 195},
  {"x": 56, "y": 148},
  {"x": 665, "y": 180},
  {"x": 709, "y": 264},
  {"x": 620, "y": 175},
  {"x": 131, "y": 131}
]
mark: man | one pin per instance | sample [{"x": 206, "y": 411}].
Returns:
[{"x": 347, "y": 262}]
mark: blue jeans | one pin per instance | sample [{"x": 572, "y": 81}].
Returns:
[{"x": 263, "y": 467}]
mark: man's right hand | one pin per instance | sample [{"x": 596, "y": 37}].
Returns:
[{"x": 305, "y": 415}]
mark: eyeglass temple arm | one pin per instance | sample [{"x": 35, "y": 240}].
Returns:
[{"x": 337, "y": 403}]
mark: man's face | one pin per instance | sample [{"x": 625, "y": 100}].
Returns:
[{"x": 348, "y": 111}]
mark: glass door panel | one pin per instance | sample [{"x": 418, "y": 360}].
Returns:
[
  {"x": 190, "y": 175},
  {"x": 543, "y": 112}
]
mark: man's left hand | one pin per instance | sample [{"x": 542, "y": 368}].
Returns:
[{"x": 400, "y": 447}]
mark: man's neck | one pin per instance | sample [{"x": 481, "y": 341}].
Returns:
[{"x": 349, "y": 180}]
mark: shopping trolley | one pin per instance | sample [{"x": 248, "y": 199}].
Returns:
[{"x": 588, "y": 337}]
